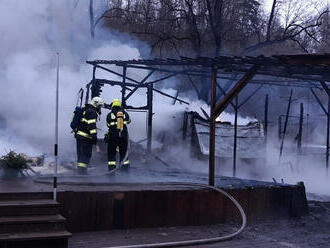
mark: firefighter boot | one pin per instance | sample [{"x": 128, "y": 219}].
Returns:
[
  {"x": 111, "y": 165},
  {"x": 125, "y": 165},
  {"x": 81, "y": 170}
]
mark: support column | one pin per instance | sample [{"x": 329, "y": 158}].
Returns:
[
  {"x": 307, "y": 118},
  {"x": 184, "y": 126},
  {"x": 328, "y": 135},
  {"x": 300, "y": 132},
  {"x": 279, "y": 127},
  {"x": 123, "y": 88},
  {"x": 149, "y": 104},
  {"x": 212, "y": 128},
  {"x": 327, "y": 90},
  {"x": 286, "y": 123},
  {"x": 87, "y": 92},
  {"x": 217, "y": 108},
  {"x": 235, "y": 137},
  {"x": 89, "y": 85},
  {"x": 266, "y": 119}
]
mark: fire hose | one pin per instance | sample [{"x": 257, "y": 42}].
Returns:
[{"x": 196, "y": 241}]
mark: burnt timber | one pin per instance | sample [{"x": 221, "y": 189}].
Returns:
[{"x": 301, "y": 70}]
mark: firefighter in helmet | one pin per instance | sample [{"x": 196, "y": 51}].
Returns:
[
  {"x": 117, "y": 136},
  {"x": 86, "y": 134}
]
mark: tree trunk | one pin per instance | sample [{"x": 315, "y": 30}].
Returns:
[
  {"x": 91, "y": 18},
  {"x": 271, "y": 17}
]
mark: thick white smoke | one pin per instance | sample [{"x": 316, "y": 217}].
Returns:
[{"x": 32, "y": 33}]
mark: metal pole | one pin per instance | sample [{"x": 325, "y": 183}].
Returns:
[
  {"x": 328, "y": 134},
  {"x": 266, "y": 118},
  {"x": 149, "y": 103},
  {"x": 56, "y": 130},
  {"x": 235, "y": 137},
  {"x": 212, "y": 128},
  {"x": 286, "y": 123},
  {"x": 300, "y": 133}
]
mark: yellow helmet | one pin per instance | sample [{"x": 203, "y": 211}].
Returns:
[{"x": 116, "y": 102}]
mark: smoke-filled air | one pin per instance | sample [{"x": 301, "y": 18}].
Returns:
[{"x": 34, "y": 32}]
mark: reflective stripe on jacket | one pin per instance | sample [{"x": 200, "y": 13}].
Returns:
[
  {"x": 87, "y": 125},
  {"x": 112, "y": 122}
]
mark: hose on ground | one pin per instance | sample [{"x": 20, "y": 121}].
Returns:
[{"x": 197, "y": 241}]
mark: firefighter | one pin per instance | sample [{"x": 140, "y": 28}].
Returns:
[
  {"x": 117, "y": 137},
  {"x": 86, "y": 133}
]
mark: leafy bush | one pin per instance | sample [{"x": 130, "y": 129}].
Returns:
[{"x": 13, "y": 160}]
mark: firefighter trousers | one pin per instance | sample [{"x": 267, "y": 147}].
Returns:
[
  {"x": 122, "y": 144},
  {"x": 84, "y": 152}
]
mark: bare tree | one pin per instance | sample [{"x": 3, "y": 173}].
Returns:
[
  {"x": 270, "y": 21},
  {"x": 293, "y": 24},
  {"x": 324, "y": 43},
  {"x": 91, "y": 18}
]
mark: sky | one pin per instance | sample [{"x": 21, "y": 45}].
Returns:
[{"x": 268, "y": 3}]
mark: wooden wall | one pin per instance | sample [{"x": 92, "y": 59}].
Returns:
[{"x": 102, "y": 210}]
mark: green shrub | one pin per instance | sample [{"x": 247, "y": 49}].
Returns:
[{"x": 13, "y": 160}]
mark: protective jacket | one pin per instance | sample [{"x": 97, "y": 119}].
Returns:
[
  {"x": 117, "y": 136},
  {"x": 112, "y": 123},
  {"x": 87, "y": 126}
]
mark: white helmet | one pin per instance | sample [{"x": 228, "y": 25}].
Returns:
[{"x": 97, "y": 102}]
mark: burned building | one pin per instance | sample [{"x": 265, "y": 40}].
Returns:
[{"x": 250, "y": 138}]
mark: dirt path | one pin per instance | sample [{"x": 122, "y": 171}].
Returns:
[{"x": 309, "y": 231}]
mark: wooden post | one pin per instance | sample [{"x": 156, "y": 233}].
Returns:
[
  {"x": 221, "y": 105},
  {"x": 123, "y": 88},
  {"x": 300, "y": 132},
  {"x": 212, "y": 128},
  {"x": 184, "y": 126},
  {"x": 266, "y": 119},
  {"x": 327, "y": 90},
  {"x": 307, "y": 118},
  {"x": 328, "y": 134},
  {"x": 286, "y": 123},
  {"x": 89, "y": 85},
  {"x": 235, "y": 137},
  {"x": 149, "y": 104},
  {"x": 87, "y": 93},
  {"x": 279, "y": 127}
]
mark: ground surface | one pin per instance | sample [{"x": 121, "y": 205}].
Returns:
[
  {"x": 310, "y": 231},
  {"x": 141, "y": 176}
]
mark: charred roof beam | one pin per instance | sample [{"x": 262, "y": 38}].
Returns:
[
  {"x": 325, "y": 87},
  {"x": 140, "y": 84},
  {"x": 117, "y": 73},
  {"x": 221, "y": 106},
  {"x": 319, "y": 102}
]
